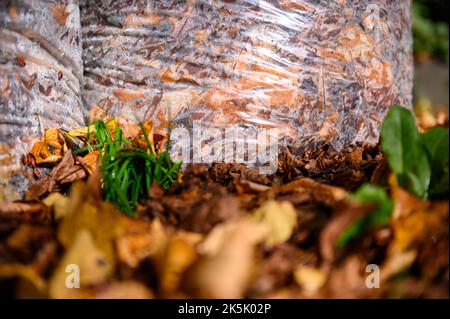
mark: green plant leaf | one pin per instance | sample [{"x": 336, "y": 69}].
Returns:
[
  {"x": 436, "y": 144},
  {"x": 353, "y": 231},
  {"x": 379, "y": 216},
  {"x": 405, "y": 154}
]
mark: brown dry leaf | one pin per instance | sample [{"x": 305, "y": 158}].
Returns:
[
  {"x": 414, "y": 220},
  {"x": 420, "y": 225},
  {"x": 93, "y": 264},
  {"x": 281, "y": 219},
  {"x": 100, "y": 218},
  {"x": 414, "y": 288},
  {"x": 38, "y": 188},
  {"x": 213, "y": 206},
  {"x": 179, "y": 254},
  {"x": 380, "y": 175},
  {"x": 318, "y": 191},
  {"x": 404, "y": 202},
  {"x": 397, "y": 263},
  {"x": 310, "y": 279},
  {"x": 36, "y": 247},
  {"x": 277, "y": 266},
  {"x": 27, "y": 234},
  {"x": 172, "y": 252},
  {"x": 26, "y": 272},
  {"x": 65, "y": 172},
  {"x": 25, "y": 212},
  {"x": 344, "y": 214},
  {"x": 245, "y": 186},
  {"x": 228, "y": 262},
  {"x": 141, "y": 240},
  {"x": 349, "y": 280},
  {"x": 433, "y": 258},
  {"x": 45, "y": 256}
]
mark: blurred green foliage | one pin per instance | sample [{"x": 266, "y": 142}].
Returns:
[
  {"x": 419, "y": 161},
  {"x": 430, "y": 27},
  {"x": 379, "y": 216}
]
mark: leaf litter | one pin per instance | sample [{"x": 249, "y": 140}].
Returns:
[{"x": 225, "y": 231}]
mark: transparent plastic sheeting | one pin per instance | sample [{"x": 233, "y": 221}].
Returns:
[
  {"x": 296, "y": 73},
  {"x": 40, "y": 80}
]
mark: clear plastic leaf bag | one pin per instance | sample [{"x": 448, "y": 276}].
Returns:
[{"x": 311, "y": 72}]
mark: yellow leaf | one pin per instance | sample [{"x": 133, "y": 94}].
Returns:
[
  {"x": 404, "y": 202},
  {"x": 414, "y": 220},
  {"x": 309, "y": 278},
  {"x": 424, "y": 113},
  {"x": 419, "y": 226},
  {"x": 171, "y": 252},
  {"x": 178, "y": 256},
  {"x": 228, "y": 260},
  {"x": 88, "y": 161},
  {"x": 51, "y": 149},
  {"x": 281, "y": 219},
  {"x": 100, "y": 218},
  {"x": 93, "y": 267},
  {"x": 111, "y": 124},
  {"x": 59, "y": 203}
]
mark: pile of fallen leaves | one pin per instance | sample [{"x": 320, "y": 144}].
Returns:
[{"x": 309, "y": 231}]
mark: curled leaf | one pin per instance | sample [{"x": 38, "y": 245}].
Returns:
[{"x": 51, "y": 149}]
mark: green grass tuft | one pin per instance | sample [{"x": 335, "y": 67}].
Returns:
[{"x": 128, "y": 172}]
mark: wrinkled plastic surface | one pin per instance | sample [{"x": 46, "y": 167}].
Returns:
[
  {"x": 317, "y": 70},
  {"x": 40, "y": 79}
]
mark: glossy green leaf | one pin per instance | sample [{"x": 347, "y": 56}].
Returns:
[{"x": 404, "y": 151}]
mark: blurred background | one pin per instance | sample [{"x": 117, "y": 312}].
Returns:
[{"x": 431, "y": 53}]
